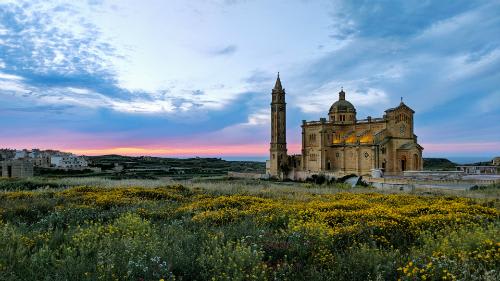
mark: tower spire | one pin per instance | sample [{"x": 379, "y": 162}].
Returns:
[
  {"x": 278, "y": 152},
  {"x": 278, "y": 86}
]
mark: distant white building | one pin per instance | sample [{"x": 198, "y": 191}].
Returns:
[
  {"x": 35, "y": 156},
  {"x": 68, "y": 162},
  {"x": 45, "y": 158},
  {"x": 20, "y": 154}
]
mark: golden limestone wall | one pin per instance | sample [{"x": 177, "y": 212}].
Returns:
[
  {"x": 311, "y": 148},
  {"x": 387, "y": 143},
  {"x": 348, "y": 146},
  {"x": 319, "y": 154}
]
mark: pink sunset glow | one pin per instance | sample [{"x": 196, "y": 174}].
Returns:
[
  {"x": 186, "y": 151},
  {"x": 479, "y": 147},
  {"x": 87, "y": 145}
]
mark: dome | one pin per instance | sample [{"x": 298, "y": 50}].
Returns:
[{"x": 342, "y": 105}]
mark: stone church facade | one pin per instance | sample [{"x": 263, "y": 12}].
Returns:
[{"x": 341, "y": 144}]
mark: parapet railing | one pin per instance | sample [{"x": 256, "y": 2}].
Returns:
[{"x": 372, "y": 120}]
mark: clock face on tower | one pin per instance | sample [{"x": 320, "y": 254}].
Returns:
[{"x": 402, "y": 129}]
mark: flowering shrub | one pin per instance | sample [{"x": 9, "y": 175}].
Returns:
[
  {"x": 174, "y": 232},
  {"x": 389, "y": 220},
  {"x": 464, "y": 254},
  {"x": 232, "y": 261}
]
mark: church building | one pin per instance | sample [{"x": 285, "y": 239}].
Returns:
[{"x": 342, "y": 144}]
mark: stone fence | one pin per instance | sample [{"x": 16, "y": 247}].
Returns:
[{"x": 253, "y": 176}]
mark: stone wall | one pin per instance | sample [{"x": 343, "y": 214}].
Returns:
[{"x": 16, "y": 169}]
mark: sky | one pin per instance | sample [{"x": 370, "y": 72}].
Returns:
[{"x": 194, "y": 78}]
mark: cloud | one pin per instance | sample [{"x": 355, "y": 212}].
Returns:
[
  {"x": 320, "y": 99},
  {"x": 489, "y": 103},
  {"x": 88, "y": 99},
  {"x": 169, "y": 65},
  {"x": 228, "y": 50},
  {"x": 471, "y": 64},
  {"x": 12, "y": 84},
  {"x": 59, "y": 54},
  {"x": 259, "y": 118},
  {"x": 45, "y": 37},
  {"x": 474, "y": 147},
  {"x": 5, "y": 76},
  {"x": 376, "y": 19}
]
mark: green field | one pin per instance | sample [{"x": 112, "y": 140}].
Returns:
[
  {"x": 219, "y": 229},
  {"x": 128, "y": 167},
  {"x": 145, "y": 167}
]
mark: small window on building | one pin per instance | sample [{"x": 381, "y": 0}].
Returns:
[
  {"x": 312, "y": 157},
  {"x": 312, "y": 137}
]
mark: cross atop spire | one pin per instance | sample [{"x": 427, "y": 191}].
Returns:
[
  {"x": 278, "y": 86},
  {"x": 341, "y": 94},
  {"x": 401, "y": 99}
]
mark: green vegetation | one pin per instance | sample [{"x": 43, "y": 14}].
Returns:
[
  {"x": 439, "y": 164},
  {"x": 145, "y": 167},
  {"x": 102, "y": 229}
]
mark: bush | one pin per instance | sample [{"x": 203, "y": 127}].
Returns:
[
  {"x": 317, "y": 179},
  {"x": 26, "y": 184},
  {"x": 231, "y": 261},
  {"x": 280, "y": 232},
  {"x": 462, "y": 254}
]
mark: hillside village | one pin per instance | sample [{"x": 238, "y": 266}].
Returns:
[
  {"x": 21, "y": 163},
  {"x": 29, "y": 163}
]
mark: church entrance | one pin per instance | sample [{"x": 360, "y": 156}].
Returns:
[{"x": 403, "y": 164}]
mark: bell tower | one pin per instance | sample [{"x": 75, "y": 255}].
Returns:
[{"x": 278, "y": 151}]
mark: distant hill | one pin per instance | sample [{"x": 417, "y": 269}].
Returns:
[
  {"x": 153, "y": 167},
  {"x": 439, "y": 164}
]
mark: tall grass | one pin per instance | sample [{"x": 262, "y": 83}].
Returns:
[{"x": 97, "y": 229}]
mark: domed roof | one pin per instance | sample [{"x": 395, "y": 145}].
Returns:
[{"x": 342, "y": 105}]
